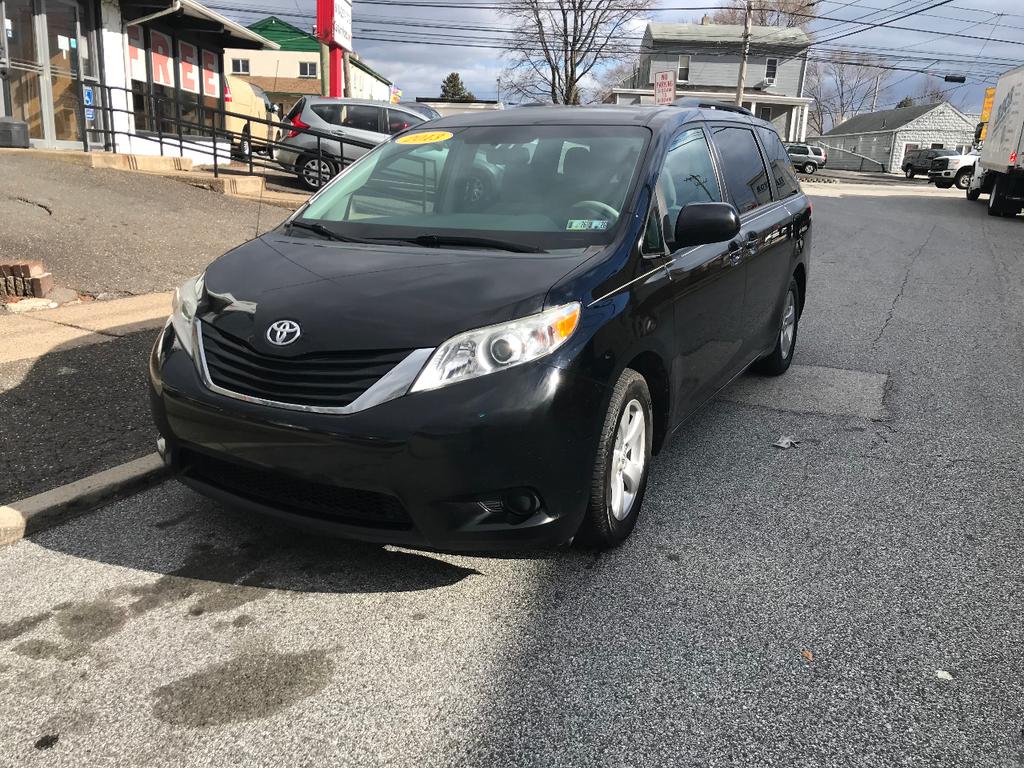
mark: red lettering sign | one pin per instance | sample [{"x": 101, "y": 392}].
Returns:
[
  {"x": 211, "y": 74},
  {"x": 188, "y": 63},
  {"x": 161, "y": 58},
  {"x": 136, "y": 53}
]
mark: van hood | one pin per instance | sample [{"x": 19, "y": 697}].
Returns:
[{"x": 348, "y": 296}]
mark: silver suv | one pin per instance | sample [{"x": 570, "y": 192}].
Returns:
[
  {"x": 807, "y": 158},
  {"x": 346, "y": 129}
]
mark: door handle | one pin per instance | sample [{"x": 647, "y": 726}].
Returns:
[
  {"x": 751, "y": 243},
  {"x": 735, "y": 254}
]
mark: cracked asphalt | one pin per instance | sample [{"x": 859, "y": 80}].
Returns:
[
  {"x": 102, "y": 231},
  {"x": 857, "y": 600}
]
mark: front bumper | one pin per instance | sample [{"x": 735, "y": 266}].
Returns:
[
  {"x": 949, "y": 173},
  {"x": 425, "y": 469}
]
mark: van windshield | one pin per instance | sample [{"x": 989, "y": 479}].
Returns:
[{"x": 542, "y": 187}]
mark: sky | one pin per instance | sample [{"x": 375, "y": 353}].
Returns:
[{"x": 418, "y": 67}]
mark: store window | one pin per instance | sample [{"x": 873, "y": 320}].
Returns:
[
  {"x": 239, "y": 66},
  {"x": 307, "y": 69}
]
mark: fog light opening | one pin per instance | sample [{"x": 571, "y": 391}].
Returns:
[{"x": 520, "y": 503}]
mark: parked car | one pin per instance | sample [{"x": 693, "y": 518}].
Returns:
[
  {"x": 358, "y": 126},
  {"x": 807, "y": 158},
  {"x": 953, "y": 169},
  {"x": 247, "y": 100},
  {"x": 920, "y": 160},
  {"x": 399, "y": 362}
]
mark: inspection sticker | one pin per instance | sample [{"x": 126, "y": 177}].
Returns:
[
  {"x": 426, "y": 137},
  {"x": 580, "y": 225}
]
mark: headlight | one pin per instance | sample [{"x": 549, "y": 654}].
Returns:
[
  {"x": 497, "y": 347},
  {"x": 183, "y": 310}
]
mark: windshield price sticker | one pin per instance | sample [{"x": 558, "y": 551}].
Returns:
[
  {"x": 427, "y": 137},
  {"x": 580, "y": 225}
]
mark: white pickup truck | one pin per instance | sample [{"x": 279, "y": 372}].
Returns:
[
  {"x": 1000, "y": 169},
  {"x": 946, "y": 171}
]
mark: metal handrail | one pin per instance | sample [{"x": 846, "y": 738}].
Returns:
[{"x": 170, "y": 125}]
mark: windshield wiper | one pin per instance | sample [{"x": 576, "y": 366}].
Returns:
[
  {"x": 323, "y": 231},
  {"x": 436, "y": 241}
]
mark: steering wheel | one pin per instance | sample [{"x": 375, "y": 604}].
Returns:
[{"x": 598, "y": 207}]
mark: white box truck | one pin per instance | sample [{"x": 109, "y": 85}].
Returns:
[{"x": 1000, "y": 170}]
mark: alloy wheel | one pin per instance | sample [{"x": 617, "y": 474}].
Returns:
[
  {"x": 788, "y": 325},
  {"x": 316, "y": 172},
  {"x": 628, "y": 459}
]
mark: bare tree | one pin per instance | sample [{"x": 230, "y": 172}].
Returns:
[
  {"x": 613, "y": 77},
  {"x": 767, "y": 13},
  {"x": 930, "y": 92},
  {"x": 841, "y": 88},
  {"x": 556, "y": 45}
]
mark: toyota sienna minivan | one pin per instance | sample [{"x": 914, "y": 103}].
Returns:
[{"x": 477, "y": 335}]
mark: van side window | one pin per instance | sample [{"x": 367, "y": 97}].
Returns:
[
  {"x": 781, "y": 165},
  {"x": 687, "y": 176},
  {"x": 742, "y": 167}
]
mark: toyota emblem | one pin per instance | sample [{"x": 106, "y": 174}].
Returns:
[{"x": 283, "y": 332}]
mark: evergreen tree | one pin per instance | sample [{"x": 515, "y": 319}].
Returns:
[{"x": 453, "y": 89}]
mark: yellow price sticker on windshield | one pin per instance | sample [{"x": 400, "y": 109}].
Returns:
[{"x": 426, "y": 137}]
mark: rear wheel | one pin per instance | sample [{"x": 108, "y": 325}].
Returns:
[
  {"x": 314, "y": 173},
  {"x": 778, "y": 360},
  {"x": 996, "y": 202},
  {"x": 809, "y": 168},
  {"x": 909, "y": 172},
  {"x": 245, "y": 145},
  {"x": 620, "y": 470}
]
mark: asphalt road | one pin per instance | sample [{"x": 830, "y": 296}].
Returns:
[
  {"x": 104, "y": 231},
  {"x": 853, "y": 601}
]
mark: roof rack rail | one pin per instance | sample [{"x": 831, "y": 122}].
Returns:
[{"x": 711, "y": 104}]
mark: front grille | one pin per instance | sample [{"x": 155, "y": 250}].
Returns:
[
  {"x": 940, "y": 165},
  {"x": 292, "y": 494},
  {"x": 321, "y": 379}
]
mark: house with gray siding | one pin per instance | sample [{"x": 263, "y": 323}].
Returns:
[
  {"x": 880, "y": 140},
  {"x": 706, "y": 60}
]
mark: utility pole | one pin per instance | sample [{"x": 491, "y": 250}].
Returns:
[
  {"x": 346, "y": 85},
  {"x": 748, "y": 11}
]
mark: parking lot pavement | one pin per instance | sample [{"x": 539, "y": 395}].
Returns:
[
  {"x": 105, "y": 231},
  {"x": 854, "y": 600}
]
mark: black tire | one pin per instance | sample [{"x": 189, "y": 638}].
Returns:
[
  {"x": 909, "y": 172},
  {"x": 601, "y": 527},
  {"x": 306, "y": 169},
  {"x": 777, "y": 362},
  {"x": 973, "y": 194},
  {"x": 943, "y": 184},
  {"x": 809, "y": 168},
  {"x": 963, "y": 178},
  {"x": 244, "y": 148},
  {"x": 996, "y": 204}
]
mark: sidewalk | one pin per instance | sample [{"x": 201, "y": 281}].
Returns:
[{"x": 73, "y": 392}]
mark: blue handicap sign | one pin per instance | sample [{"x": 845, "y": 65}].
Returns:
[{"x": 87, "y": 98}]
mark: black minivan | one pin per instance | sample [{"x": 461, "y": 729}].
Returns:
[{"x": 477, "y": 335}]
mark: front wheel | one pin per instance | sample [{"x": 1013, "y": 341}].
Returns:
[
  {"x": 620, "y": 469},
  {"x": 779, "y": 359},
  {"x": 943, "y": 184},
  {"x": 963, "y": 179}
]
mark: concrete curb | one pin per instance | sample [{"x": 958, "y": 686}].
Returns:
[{"x": 44, "y": 510}]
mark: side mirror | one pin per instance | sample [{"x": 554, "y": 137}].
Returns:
[
  {"x": 275, "y": 108},
  {"x": 703, "y": 223}
]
